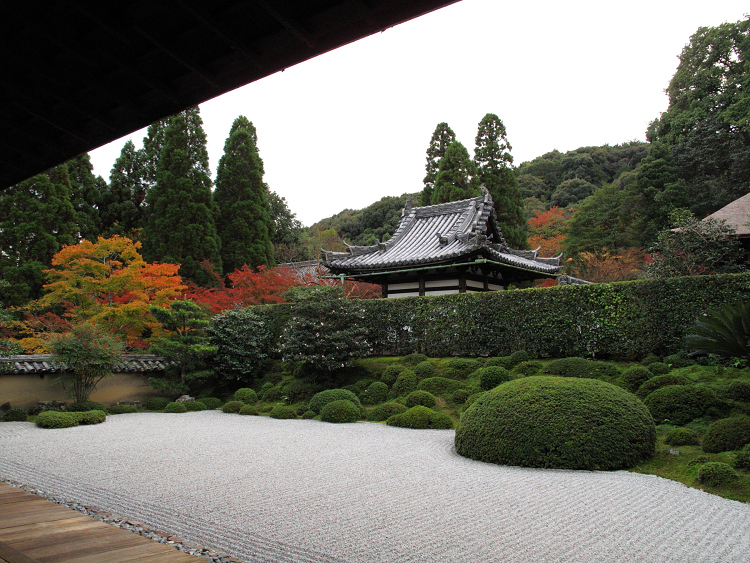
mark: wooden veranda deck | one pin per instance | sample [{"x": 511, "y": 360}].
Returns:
[{"x": 35, "y": 530}]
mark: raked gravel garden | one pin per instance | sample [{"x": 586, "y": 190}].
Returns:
[{"x": 261, "y": 489}]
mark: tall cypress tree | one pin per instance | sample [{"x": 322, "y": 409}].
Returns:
[
  {"x": 85, "y": 196},
  {"x": 123, "y": 202},
  {"x": 494, "y": 167},
  {"x": 456, "y": 177},
  {"x": 244, "y": 225},
  {"x": 441, "y": 139},
  {"x": 181, "y": 227}
]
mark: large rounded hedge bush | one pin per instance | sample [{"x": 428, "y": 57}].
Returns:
[
  {"x": 530, "y": 367},
  {"x": 739, "y": 390},
  {"x": 157, "y": 403},
  {"x": 246, "y": 395},
  {"x": 122, "y": 409},
  {"x": 175, "y": 407},
  {"x": 251, "y": 410},
  {"x": 211, "y": 402},
  {"x": 716, "y": 474},
  {"x": 460, "y": 368},
  {"x": 232, "y": 407},
  {"x": 283, "y": 412},
  {"x": 340, "y": 411},
  {"x": 727, "y": 434},
  {"x": 385, "y": 411},
  {"x": 376, "y": 393},
  {"x": 635, "y": 376},
  {"x": 391, "y": 373},
  {"x": 681, "y": 437},
  {"x": 421, "y": 418},
  {"x": 15, "y": 414},
  {"x": 195, "y": 406},
  {"x": 492, "y": 376},
  {"x": 414, "y": 358},
  {"x": 679, "y": 404},
  {"x": 557, "y": 422},
  {"x": 423, "y": 398},
  {"x": 661, "y": 381},
  {"x": 581, "y": 367},
  {"x": 56, "y": 419},
  {"x": 405, "y": 384},
  {"x": 440, "y": 386},
  {"x": 322, "y": 398},
  {"x": 424, "y": 369},
  {"x": 659, "y": 368},
  {"x": 90, "y": 417}
]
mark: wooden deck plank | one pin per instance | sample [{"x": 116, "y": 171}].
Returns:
[{"x": 34, "y": 530}]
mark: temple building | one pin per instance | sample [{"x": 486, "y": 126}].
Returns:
[{"x": 453, "y": 247}]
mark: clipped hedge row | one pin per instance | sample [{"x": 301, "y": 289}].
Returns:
[{"x": 57, "y": 419}]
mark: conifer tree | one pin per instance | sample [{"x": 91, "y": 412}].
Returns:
[
  {"x": 85, "y": 194},
  {"x": 494, "y": 167},
  {"x": 456, "y": 178},
  {"x": 123, "y": 201},
  {"x": 244, "y": 225},
  {"x": 441, "y": 139},
  {"x": 181, "y": 227}
]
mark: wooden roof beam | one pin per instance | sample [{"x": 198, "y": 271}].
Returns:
[{"x": 293, "y": 27}]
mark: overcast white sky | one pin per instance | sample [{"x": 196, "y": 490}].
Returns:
[{"x": 351, "y": 126}]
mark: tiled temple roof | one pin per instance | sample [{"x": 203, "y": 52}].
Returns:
[
  {"x": 440, "y": 234},
  {"x": 43, "y": 363}
]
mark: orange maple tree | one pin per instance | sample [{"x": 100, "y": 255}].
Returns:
[
  {"x": 609, "y": 266},
  {"x": 548, "y": 229}
]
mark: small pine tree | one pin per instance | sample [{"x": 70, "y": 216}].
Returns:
[
  {"x": 457, "y": 176},
  {"x": 441, "y": 139}
]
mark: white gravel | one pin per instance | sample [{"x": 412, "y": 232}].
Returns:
[{"x": 304, "y": 491}]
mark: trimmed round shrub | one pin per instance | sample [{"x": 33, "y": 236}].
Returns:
[
  {"x": 246, "y": 395},
  {"x": 195, "y": 406},
  {"x": 557, "y": 422},
  {"x": 121, "y": 409},
  {"x": 265, "y": 387},
  {"x": 660, "y": 381},
  {"x": 249, "y": 410},
  {"x": 526, "y": 369},
  {"x": 459, "y": 396},
  {"x": 491, "y": 377},
  {"x": 716, "y": 474},
  {"x": 211, "y": 402},
  {"x": 471, "y": 398},
  {"x": 519, "y": 356},
  {"x": 391, "y": 373},
  {"x": 742, "y": 459},
  {"x": 659, "y": 368},
  {"x": 90, "y": 417},
  {"x": 415, "y": 358},
  {"x": 649, "y": 359},
  {"x": 340, "y": 411},
  {"x": 15, "y": 414},
  {"x": 283, "y": 412},
  {"x": 232, "y": 406},
  {"x": 678, "y": 361},
  {"x": 157, "y": 403},
  {"x": 681, "y": 437},
  {"x": 460, "y": 368},
  {"x": 420, "y": 398},
  {"x": 581, "y": 367},
  {"x": 679, "y": 404},
  {"x": 385, "y": 411},
  {"x": 421, "y": 418},
  {"x": 739, "y": 390},
  {"x": 500, "y": 361},
  {"x": 727, "y": 434},
  {"x": 301, "y": 390},
  {"x": 308, "y": 415},
  {"x": 83, "y": 406},
  {"x": 321, "y": 399},
  {"x": 376, "y": 393},
  {"x": 175, "y": 407},
  {"x": 633, "y": 377},
  {"x": 440, "y": 386},
  {"x": 56, "y": 419},
  {"x": 405, "y": 384},
  {"x": 424, "y": 369},
  {"x": 273, "y": 395}
]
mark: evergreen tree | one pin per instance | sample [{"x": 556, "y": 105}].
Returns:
[
  {"x": 85, "y": 195},
  {"x": 494, "y": 167},
  {"x": 441, "y": 139},
  {"x": 123, "y": 202},
  {"x": 457, "y": 176},
  {"x": 288, "y": 231},
  {"x": 244, "y": 225},
  {"x": 181, "y": 227},
  {"x": 36, "y": 220}
]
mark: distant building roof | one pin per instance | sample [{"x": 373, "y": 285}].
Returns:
[
  {"x": 43, "y": 363},
  {"x": 440, "y": 234},
  {"x": 736, "y": 214}
]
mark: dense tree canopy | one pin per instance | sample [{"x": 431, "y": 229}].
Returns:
[
  {"x": 85, "y": 194},
  {"x": 457, "y": 176},
  {"x": 122, "y": 207},
  {"x": 441, "y": 139}
]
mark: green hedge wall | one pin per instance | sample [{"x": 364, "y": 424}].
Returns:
[{"x": 617, "y": 320}]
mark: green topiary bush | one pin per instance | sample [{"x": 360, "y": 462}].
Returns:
[
  {"x": 519, "y": 356},
  {"x": 557, "y": 422},
  {"x": 420, "y": 418},
  {"x": 391, "y": 373},
  {"x": 742, "y": 459},
  {"x": 424, "y": 369},
  {"x": 340, "y": 411},
  {"x": 283, "y": 412},
  {"x": 460, "y": 368},
  {"x": 649, "y": 359},
  {"x": 211, "y": 402},
  {"x": 581, "y": 367},
  {"x": 459, "y": 396},
  {"x": 121, "y": 409},
  {"x": 385, "y": 411},
  {"x": 440, "y": 386},
  {"x": 273, "y": 395},
  {"x": 376, "y": 393},
  {"x": 633, "y": 377},
  {"x": 727, "y": 434},
  {"x": 56, "y": 419},
  {"x": 420, "y": 398},
  {"x": 321, "y": 399},
  {"x": 405, "y": 384},
  {"x": 301, "y": 390},
  {"x": 739, "y": 390},
  {"x": 414, "y": 358},
  {"x": 15, "y": 414},
  {"x": 249, "y": 410},
  {"x": 232, "y": 407},
  {"x": 679, "y": 404},
  {"x": 526, "y": 369},
  {"x": 157, "y": 403},
  {"x": 84, "y": 406},
  {"x": 659, "y": 368},
  {"x": 175, "y": 408},
  {"x": 660, "y": 381},
  {"x": 195, "y": 406},
  {"x": 681, "y": 437},
  {"x": 470, "y": 400},
  {"x": 308, "y": 415},
  {"x": 90, "y": 417},
  {"x": 501, "y": 361},
  {"x": 491, "y": 377},
  {"x": 716, "y": 474},
  {"x": 679, "y": 360},
  {"x": 246, "y": 395}
]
